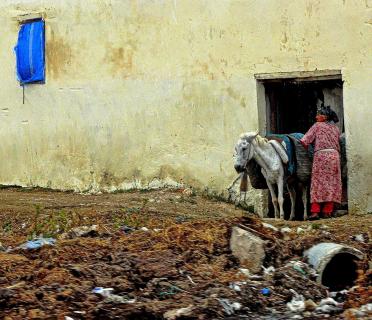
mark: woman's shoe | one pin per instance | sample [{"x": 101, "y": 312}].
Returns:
[
  {"x": 314, "y": 216},
  {"x": 327, "y": 215}
]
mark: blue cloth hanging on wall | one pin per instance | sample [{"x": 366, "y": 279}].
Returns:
[{"x": 30, "y": 52}]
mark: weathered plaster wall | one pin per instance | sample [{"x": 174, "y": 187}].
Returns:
[{"x": 153, "y": 89}]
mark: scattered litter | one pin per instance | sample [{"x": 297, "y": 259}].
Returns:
[
  {"x": 366, "y": 308},
  {"x": 301, "y": 267},
  {"x": 359, "y": 237},
  {"x": 268, "y": 271},
  {"x": 68, "y": 318},
  {"x": 266, "y": 291},
  {"x": 187, "y": 276},
  {"x": 300, "y": 230},
  {"x": 110, "y": 297},
  {"x": 237, "y": 285},
  {"x": 297, "y": 303},
  {"x": 37, "y": 243},
  {"x": 190, "y": 279},
  {"x": 126, "y": 229},
  {"x": 105, "y": 292},
  {"x": 286, "y": 231},
  {"x": 229, "y": 307},
  {"x": 144, "y": 229},
  {"x": 245, "y": 272},
  {"x": 329, "y": 305},
  {"x": 270, "y": 226},
  {"x": 177, "y": 313},
  {"x": 80, "y": 312},
  {"x": 84, "y": 231},
  {"x": 324, "y": 227}
]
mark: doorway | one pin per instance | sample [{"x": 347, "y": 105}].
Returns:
[{"x": 288, "y": 103}]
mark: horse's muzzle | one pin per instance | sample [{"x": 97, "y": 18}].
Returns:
[{"x": 238, "y": 168}]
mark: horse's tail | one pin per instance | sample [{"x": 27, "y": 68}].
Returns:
[{"x": 280, "y": 150}]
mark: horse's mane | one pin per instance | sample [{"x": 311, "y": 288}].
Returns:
[
  {"x": 250, "y": 136},
  {"x": 261, "y": 141}
]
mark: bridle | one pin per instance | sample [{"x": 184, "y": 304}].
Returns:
[{"x": 249, "y": 148}]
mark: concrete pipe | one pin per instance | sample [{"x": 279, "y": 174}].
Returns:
[{"x": 335, "y": 264}]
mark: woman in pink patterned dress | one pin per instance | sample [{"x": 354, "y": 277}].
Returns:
[{"x": 326, "y": 187}]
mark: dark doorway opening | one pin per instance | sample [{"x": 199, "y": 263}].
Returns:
[{"x": 291, "y": 106}]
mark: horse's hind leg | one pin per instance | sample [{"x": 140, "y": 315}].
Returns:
[
  {"x": 292, "y": 195},
  {"x": 304, "y": 199},
  {"x": 280, "y": 196},
  {"x": 274, "y": 199}
]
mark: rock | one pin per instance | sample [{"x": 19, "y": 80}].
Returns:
[
  {"x": 36, "y": 314},
  {"x": 177, "y": 313},
  {"x": 248, "y": 248},
  {"x": 188, "y": 191},
  {"x": 310, "y": 305},
  {"x": 340, "y": 213}
]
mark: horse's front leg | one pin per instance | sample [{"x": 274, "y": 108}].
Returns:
[
  {"x": 274, "y": 199},
  {"x": 292, "y": 195},
  {"x": 280, "y": 196}
]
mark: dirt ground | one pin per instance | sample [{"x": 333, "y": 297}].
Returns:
[{"x": 159, "y": 251}]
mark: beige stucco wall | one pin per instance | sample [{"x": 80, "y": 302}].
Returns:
[{"x": 156, "y": 90}]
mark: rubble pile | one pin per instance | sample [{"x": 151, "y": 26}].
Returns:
[{"x": 200, "y": 268}]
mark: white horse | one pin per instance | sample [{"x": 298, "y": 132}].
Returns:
[{"x": 271, "y": 156}]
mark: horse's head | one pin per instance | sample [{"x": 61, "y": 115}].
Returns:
[{"x": 244, "y": 150}]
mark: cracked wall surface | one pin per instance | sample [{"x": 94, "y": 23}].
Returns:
[{"x": 148, "y": 92}]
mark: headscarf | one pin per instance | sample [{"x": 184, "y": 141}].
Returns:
[{"x": 328, "y": 112}]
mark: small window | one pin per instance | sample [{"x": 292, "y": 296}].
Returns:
[{"x": 30, "y": 52}]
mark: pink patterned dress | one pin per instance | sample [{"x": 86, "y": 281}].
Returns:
[{"x": 326, "y": 183}]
